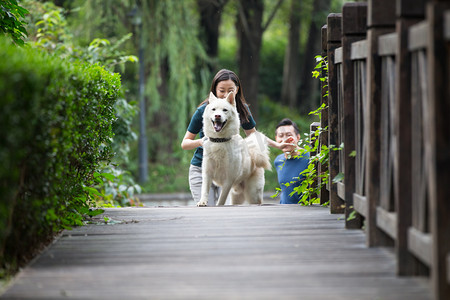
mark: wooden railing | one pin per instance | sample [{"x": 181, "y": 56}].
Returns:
[{"x": 389, "y": 101}]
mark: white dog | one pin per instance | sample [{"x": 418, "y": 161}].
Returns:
[{"x": 231, "y": 162}]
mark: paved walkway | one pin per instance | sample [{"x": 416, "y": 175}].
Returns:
[{"x": 244, "y": 252}]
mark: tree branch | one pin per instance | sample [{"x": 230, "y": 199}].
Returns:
[
  {"x": 245, "y": 26},
  {"x": 272, "y": 15}
]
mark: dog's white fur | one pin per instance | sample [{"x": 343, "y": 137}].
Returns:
[{"x": 237, "y": 164}]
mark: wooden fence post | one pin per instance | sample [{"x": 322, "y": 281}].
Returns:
[
  {"x": 324, "y": 194},
  {"x": 407, "y": 15},
  {"x": 376, "y": 27},
  {"x": 354, "y": 20},
  {"x": 438, "y": 137},
  {"x": 333, "y": 42}
]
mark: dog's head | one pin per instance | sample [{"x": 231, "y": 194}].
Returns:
[{"x": 220, "y": 117}]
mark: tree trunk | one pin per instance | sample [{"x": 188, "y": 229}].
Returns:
[
  {"x": 210, "y": 18},
  {"x": 291, "y": 60},
  {"x": 309, "y": 93},
  {"x": 250, "y": 30}
]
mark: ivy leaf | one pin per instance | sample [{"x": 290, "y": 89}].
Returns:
[{"x": 339, "y": 177}]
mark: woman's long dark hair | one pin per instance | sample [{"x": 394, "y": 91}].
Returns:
[{"x": 241, "y": 106}]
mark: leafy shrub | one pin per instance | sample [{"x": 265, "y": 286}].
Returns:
[
  {"x": 56, "y": 119},
  {"x": 11, "y": 24}
]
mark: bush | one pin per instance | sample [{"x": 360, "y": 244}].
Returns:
[{"x": 56, "y": 119}]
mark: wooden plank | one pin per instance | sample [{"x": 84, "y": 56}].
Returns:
[
  {"x": 381, "y": 13},
  {"x": 438, "y": 140},
  {"x": 420, "y": 244},
  {"x": 360, "y": 203},
  {"x": 338, "y": 55},
  {"x": 387, "y": 44},
  {"x": 231, "y": 252},
  {"x": 334, "y": 33},
  {"x": 448, "y": 268},
  {"x": 387, "y": 221},
  {"x": 407, "y": 264},
  {"x": 447, "y": 25},
  {"x": 354, "y": 18},
  {"x": 360, "y": 117},
  {"x": 323, "y": 169},
  {"x": 375, "y": 236},
  {"x": 406, "y": 9},
  {"x": 352, "y": 32},
  {"x": 341, "y": 190},
  {"x": 359, "y": 50},
  {"x": 418, "y": 36}
]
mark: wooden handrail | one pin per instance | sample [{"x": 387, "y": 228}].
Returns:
[{"x": 389, "y": 94}]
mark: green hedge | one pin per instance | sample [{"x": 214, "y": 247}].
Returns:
[{"x": 55, "y": 129}]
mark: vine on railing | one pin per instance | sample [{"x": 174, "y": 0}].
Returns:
[{"x": 313, "y": 181}]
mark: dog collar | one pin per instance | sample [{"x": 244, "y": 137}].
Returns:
[{"x": 219, "y": 140}]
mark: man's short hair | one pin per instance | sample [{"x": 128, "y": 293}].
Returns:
[{"x": 288, "y": 122}]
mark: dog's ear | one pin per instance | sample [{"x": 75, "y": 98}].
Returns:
[
  {"x": 231, "y": 99},
  {"x": 211, "y": 97}
]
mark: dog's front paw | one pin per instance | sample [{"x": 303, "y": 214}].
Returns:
[{"x": 202, "y": 203}]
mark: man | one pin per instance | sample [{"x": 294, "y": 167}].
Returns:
[{"x": 290, "y": 164}]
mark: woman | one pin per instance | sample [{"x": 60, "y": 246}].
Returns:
[{"x": 224, "y": 82}]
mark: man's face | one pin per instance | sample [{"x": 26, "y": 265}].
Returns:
[{"x": 286, "y": 134}]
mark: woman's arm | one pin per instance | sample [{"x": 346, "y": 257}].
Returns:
[
  {"x": 189, "y": 142},
  {"x": 250, "y": 131},
  {"x": 284, "y": 146}
]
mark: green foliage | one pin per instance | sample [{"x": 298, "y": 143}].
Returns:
[
  {"x": 319, "y": 153},
  {"x": 57, "y": 126},
  {"x": 270, "y": 114},
  {"x": 168, "y": 178},
  {"x": 271, "y": 68},
  {"x": 11, "y": 24},
  {"x": 178, "y": 78},
  {"x": 51, "y": 33},
  {"x": 114, "y": 187}
]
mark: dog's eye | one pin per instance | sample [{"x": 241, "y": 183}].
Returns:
[
  {"x": 213, "y": 109},
  {"x": 225, "y": 110}
]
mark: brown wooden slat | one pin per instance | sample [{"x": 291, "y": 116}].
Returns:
[
  {"x": 438, "y": 142},
  {"x": 381, "y": 13},
  {"x": 359, "y": 50},
  {"x": 448, "y": 268},
  {"x": 360, "y": 203},
  {"x": 387, "y": 221},
  {"x": 341, "y": 190},
  {"x": 418, "y": 36},
  {"x": 419, "y": 244},
  {"x": 375, "y": 236},
  {"x": 388, "y": 141},
  {"x": 407, "y": 9},
  {"x": 338, "y": 55},
  {"x": 407, "y": 263},
  {"x": 334, "y": 32},
  {"x": 323, "y": 169},
  {"x": 447, "y": 25},
  {"x": 352, "y": 32},
  {"x": 360, "y": 118},
  {"x": 387, "y": 44}
]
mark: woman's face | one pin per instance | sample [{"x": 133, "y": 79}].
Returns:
[{"x": 225, "y": 87}]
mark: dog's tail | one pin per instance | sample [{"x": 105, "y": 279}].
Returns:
[{"x": 258, "y": 149}]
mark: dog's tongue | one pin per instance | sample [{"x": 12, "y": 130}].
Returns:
[{"x": 218, "y": 126}]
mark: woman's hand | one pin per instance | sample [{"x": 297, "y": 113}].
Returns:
[{"x": 288, "y": 145}]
